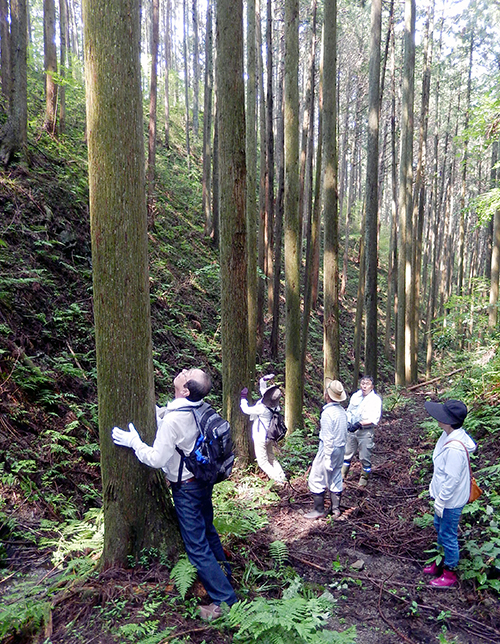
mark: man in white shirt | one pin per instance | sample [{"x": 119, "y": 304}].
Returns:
[
  {"x": 363, "y": 415},
  {"x": 192, "y": 497}
]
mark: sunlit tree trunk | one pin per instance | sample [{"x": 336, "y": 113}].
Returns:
[
  {"x": 233, "y": 224},
  {"x": 50, "y": 64},
  {"x": 137, "y": 510},
  {"x": 495, "y": 271},
  {"x": 403, "y": 355},
  {"x": 269, "y": 160},
  {"x": 293, "y": 402},
  {"x": 63, "y": 37},
  {"x": 263, "y": 235},
  {"x": 372, "y": 161},
  {"x": 331, "y": 334}
]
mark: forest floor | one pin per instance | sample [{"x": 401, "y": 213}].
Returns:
[{"x": 370, "y": 559}]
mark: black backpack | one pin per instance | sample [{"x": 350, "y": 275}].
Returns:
[
  {"x": 277, "y": 428},
  {"x": 212, "y": 456}
]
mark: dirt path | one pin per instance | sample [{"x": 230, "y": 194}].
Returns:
[{"x": 371, "y": 558}]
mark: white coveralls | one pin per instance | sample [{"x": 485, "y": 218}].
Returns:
[
  {"x": 326, "y": 468},
  {"x": 363, "y": 409},
  {"x": 260, "y": 415}
]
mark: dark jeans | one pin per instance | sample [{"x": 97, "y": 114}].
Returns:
[{"x": 193, "y": 504}]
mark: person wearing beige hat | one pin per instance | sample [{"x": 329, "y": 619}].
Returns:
[
  {"x": 261, "y": 414},
  {"x": 325, "y": 475}
]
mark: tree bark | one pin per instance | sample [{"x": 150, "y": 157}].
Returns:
[
  {"x": 403, "y": 357},
  {"x": 207, "y": 123},
  {"x": 137, "y": 510},
  {"x": 50, "y": 65},
  {"x": 331, "y": 332},
  {"x": 5, "y": 47},
  {"x": 252, "y": 213},
  {"x": 371, "y": 226},
  {"x": 153, "y": 95},
  {"x": 196, "y": 70},
  {"x": 293, "y": 402},
  {"x": 233, "y": 241}
]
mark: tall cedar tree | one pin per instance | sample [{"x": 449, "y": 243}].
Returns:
[
  {"x": 50, "y": 64},
  {"x": 293, "y": 400},
  {"x": 372, "y": 160},
  {"x": 137, "y": 512},
  {"x": 330, "y": 195},
  {"x": 233, "y": 237}
]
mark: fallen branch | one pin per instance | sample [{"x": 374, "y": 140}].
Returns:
[
  {"x": 428, "y": 382},
  {"x": 390, "y": 624}
]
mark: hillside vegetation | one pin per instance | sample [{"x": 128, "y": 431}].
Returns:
[{"x": 298, "y": 582}]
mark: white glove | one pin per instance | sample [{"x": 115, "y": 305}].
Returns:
[
  {"x": 438, "y": 507},
  {"x": 270, "y": 376},
  {"x": 126, "y": 439},
  {"x": 327, "y": 463}
]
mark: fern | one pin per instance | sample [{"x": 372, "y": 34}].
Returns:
[
  {"x": 279, "y": 552},
  {"x": 183, "y": 575},
  {"x": 287, "y": 621}
]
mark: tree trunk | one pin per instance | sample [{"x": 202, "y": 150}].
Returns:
[
  {"x": 186, "y": 79},
  {"x": 153, "y": 93},
  {"x": 269, "y": 175},
  {"x": 233, "y": 241},
  {"x": 252, "y": 213},
  {"x": 13, "y": 135},
  {"x": 196, "y": 70},
  {"x": 278, "y": 219},
  {"x": 403, "y": 357},
  {"x": 331, "y": 334},
  {"x": 207, "y": 123},
  {"x": 371, "y": 226},
  {"x": 63, "y": 35},
  {"x": 50, "y": 64},
  {"x": 293, "y": 402},
  {"x": 168, "y": 47},
  {"x": 5, "y": 47},
  {"x": 262, "y": 231},
  {"x": 137, "y": 510}
]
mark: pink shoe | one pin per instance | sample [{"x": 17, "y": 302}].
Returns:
[
  {"x": 432, "y": 569},
  {"x": 210, "y": 612},
  {"x": 447, "y": 580}
]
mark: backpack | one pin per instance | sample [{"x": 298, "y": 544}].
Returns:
[
  {"x": 277, "y": 428},
  {"x": 212, "y": 456}
]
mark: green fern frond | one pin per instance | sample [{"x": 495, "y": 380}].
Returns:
[
  {"x": 183, "y": 575},
  {"x": 288, "y": 621},
  {"x": 279, "y": 552}
]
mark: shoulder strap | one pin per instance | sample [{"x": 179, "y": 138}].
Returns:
[{"x": 454, "y": 440}]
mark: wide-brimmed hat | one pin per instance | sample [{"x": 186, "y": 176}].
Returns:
[
  {"x": 271, "y": 396},
  {"x": 451, "y": 412},
  {"x": 335, "y": 390}
]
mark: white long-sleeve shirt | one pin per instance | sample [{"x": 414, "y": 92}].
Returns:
[
  {"x": 333, "y": 428},
  {"x": 175, "y": 428},
  {"x": 364, "y": 409},
  {"x": 260, "y": 415},
  {"x": 451, "y": 477}
]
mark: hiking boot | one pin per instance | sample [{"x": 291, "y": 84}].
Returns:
[
  {"x": 210, "y": 612},
  {"x": 432, "y": 569},
  {"x": 363, "y": 479},
  {"x": 335, "y": 499},
  {"x": 447, "y": 580},
  {"x": 319, "y": 507},
  {"x": 345, "y": 470}
]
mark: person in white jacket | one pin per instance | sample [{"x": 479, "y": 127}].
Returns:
[
  {"x": 325, "y": 474},
  {"x": 261, "y": 415},
  {"x": 363, "y": 415},
  {"x": 450, "y": 485}
]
